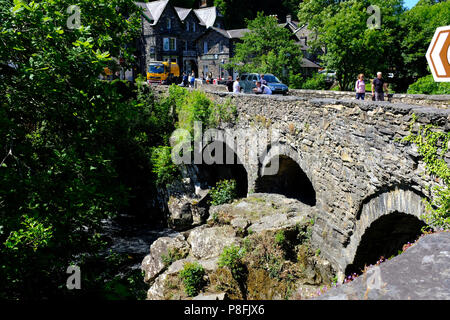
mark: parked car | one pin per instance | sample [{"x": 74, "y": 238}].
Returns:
[
  {"x": 329, "y": 74},
  {"x": 248, "y": 82}
]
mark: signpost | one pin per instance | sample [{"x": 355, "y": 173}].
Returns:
[{"x": 438, "y": 55}]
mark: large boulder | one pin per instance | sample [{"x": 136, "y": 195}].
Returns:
[
  {"x": 187, "y": 212},
  {"x": 209, "y": 242},
  {"x": 161, "y": 287},
  {"x": 154, "y": 264},
  {"x": 262, "y": 212},
  {"x": 422, "y": 272}
]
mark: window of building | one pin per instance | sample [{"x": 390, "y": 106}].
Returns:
[
  {"x": 193, "y": 26},
  {"x": 170, "y": 44},
  {"x": 205, "y": 47},
  {"x": 220, "y": 46},
  {"x": 169, "y": 23},
  {"x": 187, "y": 26}
]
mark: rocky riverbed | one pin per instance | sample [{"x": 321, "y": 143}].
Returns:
[{"x": 274, "y": 233}]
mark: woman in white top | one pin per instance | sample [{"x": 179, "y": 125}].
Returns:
[{"x": 236, "y": 86}]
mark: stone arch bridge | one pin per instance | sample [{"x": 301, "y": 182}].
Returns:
[{"x": 345, "y": 160}]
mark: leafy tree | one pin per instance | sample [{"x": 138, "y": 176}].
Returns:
[
  {"x": 65, "y": 136},
  {"x": 267, "y": 48},
  {"x": 237, "y": 12},
  {"x": 352, "y": 47},
  {"x": 419, "y": 25}
]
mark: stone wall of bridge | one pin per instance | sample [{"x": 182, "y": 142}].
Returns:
[{"x": 349, "y": 152}]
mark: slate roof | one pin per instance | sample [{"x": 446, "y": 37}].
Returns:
[
  {"x": 182, "y": 12},
  {"x": 207, "y": 16},
  {"x": 154, "y": 9},
  {"x": 309, "y": 64}
]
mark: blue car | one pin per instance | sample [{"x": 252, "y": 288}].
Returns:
[{"x": 248, "y": 83}]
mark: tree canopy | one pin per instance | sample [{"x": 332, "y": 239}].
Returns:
[{"x": 267, "y": 48}]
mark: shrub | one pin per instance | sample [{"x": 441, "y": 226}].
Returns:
[
  {"x": 280, "y": 238},
  {"x": 433, "y": 146},
  {"x": 173, "y": 254},
  {"x": 192, "y": 276},
  {"x": 427, "y": 85},
  {"x": 316, "y": 82},
  {"x": 295, "y": 80},
  {"x": 223, "y": 192},
  {"x": 196, "y": 106},
  {"x": 231, "y": 258},
  {"x": 163, "y": 167}
]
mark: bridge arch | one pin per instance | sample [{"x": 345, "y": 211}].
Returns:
[
  {"x": 228, "y": 165},
  {"x": 282, "y": 172},
  {"x": 385, "y": 222}
]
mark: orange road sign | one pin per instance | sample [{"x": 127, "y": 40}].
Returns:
[{"x": 438, "y": 55}]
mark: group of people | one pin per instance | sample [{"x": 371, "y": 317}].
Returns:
[
  {"x": 188, "y": 81},
  {"x": 379, "y": 87},
  {"x": 261, "y": 86}
]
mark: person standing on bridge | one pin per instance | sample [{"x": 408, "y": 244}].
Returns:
[
  {"x": 379, "y": 86},
  {"x": 230, "y": 83},
  {"x": 262, "y": 89},
  {"x": 237, "y": 86},
  {"x": 360, "y": 87}
]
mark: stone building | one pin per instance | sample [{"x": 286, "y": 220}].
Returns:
[
  {"x": 197, "y": 40},
  {"x": 169, "y": 33}
]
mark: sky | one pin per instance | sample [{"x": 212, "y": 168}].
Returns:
[{"x": 410, "y": 3}]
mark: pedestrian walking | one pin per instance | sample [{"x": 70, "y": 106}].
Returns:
[
  {"x": 379, "y": 87},
  {"x": 236, "y": 86},
  {"x": 192, "y": 80},
  {"x": 230, "y": 83},
  {"x": 360, "y": 87}
]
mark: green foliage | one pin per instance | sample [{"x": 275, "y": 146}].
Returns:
[
  {"x": 163, "y": 167},
  {"x": 236, "y": 12},
  {"x": 195, "y": 107},
  {"x": 316, "y": 82},
  {"x": 295, "y": 80},
  {"x": 173, "y": 254},
  {"x": 34, "y": 235},
  {"x": 419, "y": 25},
  {"x": 280, "y": 238},
  {"x": 192, "y": 276},
  {"x": 352, "y": 47},
  {"x": 68, "y": 138},
  {"x": 267, "y": 48},
  {"x": 223, "y": 192},
  {"x": 232, "y": 258},
  {"x": 427, "y": 85},
  {"x": 432, "y": 146}
]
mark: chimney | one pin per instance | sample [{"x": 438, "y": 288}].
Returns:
[
  {"x": 203, "y": 3},
  {"x": 288, "y": 18}
]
